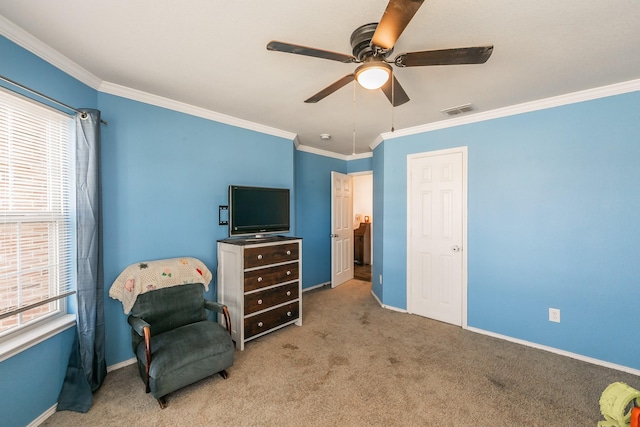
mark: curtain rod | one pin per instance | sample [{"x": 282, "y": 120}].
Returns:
[{"x": 48, "y": 98}]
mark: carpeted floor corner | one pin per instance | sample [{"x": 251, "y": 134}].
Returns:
[{"x": 353, "y": 363}]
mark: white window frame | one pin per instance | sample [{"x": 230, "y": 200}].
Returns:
[{"x": 22, "y": 337}]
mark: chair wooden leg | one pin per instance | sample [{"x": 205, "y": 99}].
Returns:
[
  {"x": 227, "y": 318},
  {"x": 163, "y": 402},
  {"x": 147, "y": 345},
  {"x": 224, "y": 374}
]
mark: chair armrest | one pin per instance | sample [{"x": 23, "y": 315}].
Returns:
[
  {"x": 213, "y": 306},
  {"x": 138, "y": 324},
  {"x": 220, "y": 308}
]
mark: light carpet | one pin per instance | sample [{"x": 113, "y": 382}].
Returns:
[{"x": 354, "y": 363}]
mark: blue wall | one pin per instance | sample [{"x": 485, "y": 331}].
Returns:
[
  {"x": 164, "y": 175},
  {"x": 552, "y": 222},
  {"x": 31, "y": 380},
  {"x": 25, "y": 68},
  {"x": 557, "y": 185},
  {"x": 313, "y": 206},
  {"x": 360, "y": 165},
  {"x": 313, "y": 192}
]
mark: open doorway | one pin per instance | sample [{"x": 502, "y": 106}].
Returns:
[{"x": 362, "y": 225}]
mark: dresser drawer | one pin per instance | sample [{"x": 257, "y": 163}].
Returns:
[
  {"x": 270, "y": 319},
  {"x": 270, "y": 276},
  {"x": 265, "y": 255},
  {"x": 262, "y": 300}
]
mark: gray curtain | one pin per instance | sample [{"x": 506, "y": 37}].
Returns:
[{"x": 87, "y": 367}]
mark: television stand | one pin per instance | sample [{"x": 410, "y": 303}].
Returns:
[{"x": 260, "y": 281}]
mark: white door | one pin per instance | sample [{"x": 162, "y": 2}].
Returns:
[
  {"x": 341, "y": 228},
  {"x": 436, "y": 235}
]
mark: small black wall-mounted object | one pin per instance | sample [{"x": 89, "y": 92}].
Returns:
[{"x": 223, "y": 215}]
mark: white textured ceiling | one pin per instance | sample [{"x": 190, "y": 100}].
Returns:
[{"x": 211, "y": 54}]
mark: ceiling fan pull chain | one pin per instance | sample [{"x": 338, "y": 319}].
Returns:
[
  {"x": 393, "y": 100},
  {"x": 354, "y": 118}
]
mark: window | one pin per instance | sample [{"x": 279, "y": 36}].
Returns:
[{"x": 37, "y": 219}]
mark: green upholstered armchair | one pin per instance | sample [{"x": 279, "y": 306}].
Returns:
[{"x": 174, "y": 342}]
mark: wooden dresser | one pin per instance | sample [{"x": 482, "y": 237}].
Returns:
[
  {"x": 260, "y": 280},
  {"x": 362, "y": 244}
]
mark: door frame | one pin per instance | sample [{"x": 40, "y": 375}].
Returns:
[
  {"x": 364, "y": 173},
  {"x": 465, "y": 251},
  {"x": 334, "y": 279}
]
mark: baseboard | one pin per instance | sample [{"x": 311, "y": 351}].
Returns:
[
  {"x": 576, "y": 356},
  {"x": 43, "y": 417},
  {"x": 388, "y": 307},
  {"x": 121, "y": 364},
  {"x": 310, "y": 288}
]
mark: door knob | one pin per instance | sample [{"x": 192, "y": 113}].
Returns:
[
  {"x": 455, "y": 248},
  {"x": 333, "y": 235}
]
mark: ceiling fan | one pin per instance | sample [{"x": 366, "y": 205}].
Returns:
[{"x": 373, "y": 43}]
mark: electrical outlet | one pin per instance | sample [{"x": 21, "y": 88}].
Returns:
[
  {"x": 380, "y": 279},
  {"x": 554, "y": 315}
]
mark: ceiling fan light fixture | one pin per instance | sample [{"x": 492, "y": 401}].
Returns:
[{"x": 373, "y": 75}]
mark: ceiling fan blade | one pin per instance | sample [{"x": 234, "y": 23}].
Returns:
[
  {"x": 463, "y": 55},
  {"x": 331, "y": 88},
  {"x": 396, "y": 95},
  {"x": 394, "y": 20},
  {"x": 309, "y": 51}
]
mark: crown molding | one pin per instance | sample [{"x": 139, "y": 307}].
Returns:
[
  {"x": 159, "y": 101},
  {"x": 376, "y": 142},
  {"x": 319, "y": 152},
  {"x": 34, "y": 45},
  {"x": 325, "y": 153},
  {"x": 527, "y": 107}
]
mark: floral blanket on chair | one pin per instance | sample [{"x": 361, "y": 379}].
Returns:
[{"x": 147, "y": 276}]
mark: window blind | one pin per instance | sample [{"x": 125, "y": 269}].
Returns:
[{"x": 37, "y": 222}]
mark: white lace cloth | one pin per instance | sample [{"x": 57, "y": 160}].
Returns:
[{"x": 147, "y": 276}]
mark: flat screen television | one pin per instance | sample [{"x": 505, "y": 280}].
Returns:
[{"x": 256, "y": 211}]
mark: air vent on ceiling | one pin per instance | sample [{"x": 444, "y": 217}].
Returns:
[{"x": 454, "y": 111}]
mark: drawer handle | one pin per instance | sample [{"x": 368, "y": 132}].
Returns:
[
  {"x": 288, "y": 252},
  {"x": 288, "y": 273},
  {"x": 259, "y": 256},
  {"x": 260, "y": 324},
  {"x": 260, "y": 279},
  {"x": 288, "y": 293},
  {"x": 289, "y": 313},
  {"x": 259, "y": 301}
]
